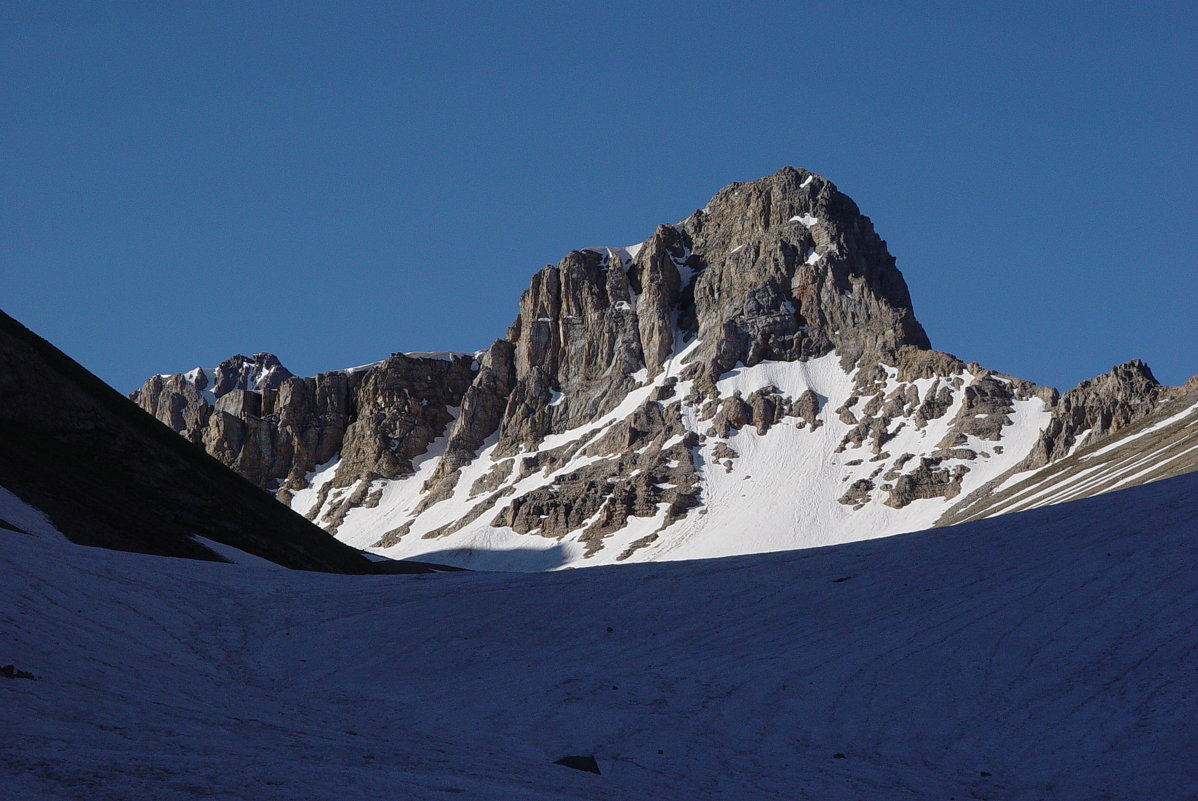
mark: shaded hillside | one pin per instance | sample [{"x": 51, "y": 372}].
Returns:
[{"x": 107, "y": 474}]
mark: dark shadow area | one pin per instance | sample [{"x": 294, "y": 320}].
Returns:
[
  {"x": 7, "y": 526},
  {"x": 387, "y": 566},
  {"x": 517, "y": 560},
  {"x": 585, "y": 763}
]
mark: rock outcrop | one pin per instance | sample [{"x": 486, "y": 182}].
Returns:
[
  {"x": 276, "y": 429},
  {"x": 184, "y": 401},
  {"x": 1100, "y": 406}
]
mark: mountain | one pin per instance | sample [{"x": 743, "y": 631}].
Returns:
[
  {"x": 750, "y": 379},
  {"x": 79, "y": 461},
  {"x": 1047, "y": 654}
]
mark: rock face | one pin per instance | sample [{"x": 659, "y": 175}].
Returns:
[
  {"x": 790, "y": 269},
  {"x": 276, "y": 429},
  {"x": 184, "y": 401},
  {"x": 750, "y": 378},
  {"x": 1100, "y": 406}
]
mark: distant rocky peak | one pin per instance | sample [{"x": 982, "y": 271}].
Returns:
[
  {"x": 1130, "y": 379},
  {"x": 260, "y": 372}
]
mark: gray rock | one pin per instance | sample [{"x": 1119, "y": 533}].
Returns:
[
  {"x": 176, "y": 402},
  {"x": 1103, "y": 405},
  {"x": 402, "y": 405},
  {"x": 858, "y": 493},
  {"x": 775, "y": 287},
  {"x": 928, "y": 480},
  {"x": 275, "y": 428}
]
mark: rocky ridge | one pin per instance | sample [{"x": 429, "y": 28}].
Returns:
[
  {"x": 768, "y": 337},
  {"x": 277, "y": 429},
  {"x": 1114, "y": 431}
]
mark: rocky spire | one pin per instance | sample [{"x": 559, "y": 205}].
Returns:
[
  {"x": 784, "y": 268},
  {"x": 788, "y": 268}
]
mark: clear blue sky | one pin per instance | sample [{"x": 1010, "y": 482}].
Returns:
[{"x": 335, "y": 182}]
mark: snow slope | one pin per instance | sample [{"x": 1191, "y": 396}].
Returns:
[
  {"x": 781, "y": 491},
  {"x": 1048, "y": 654}
]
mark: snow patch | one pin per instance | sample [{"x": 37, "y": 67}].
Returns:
[
  {"x": 441, "y": 355},
  {"x": 14, "y": 512},
  {"x": 236, "y": 555}
]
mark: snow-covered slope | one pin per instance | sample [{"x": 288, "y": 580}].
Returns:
[
  {"x": 782, "y": 486},
  {"x": 16, "y": 515},
  {"x": 1048, "y": 654}
]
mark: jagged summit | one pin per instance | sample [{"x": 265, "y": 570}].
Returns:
[
  {"x": 782, "y": 268},
  {"x": 751, "y": 378},
  {"x": 791, "y": 269}
]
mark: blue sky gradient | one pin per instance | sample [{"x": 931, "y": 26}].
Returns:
[{"x": 335, "y": 182}]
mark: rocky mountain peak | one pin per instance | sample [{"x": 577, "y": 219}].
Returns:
[
  {"x": 1134, "y": 376},
  {"x": 747, "y": 209},
  {"x": 788, "y": 268},
  {"x": 1098, "y": 407},
  {"x": 768, "y": 336},
  {"x": 782, "y": 268}
]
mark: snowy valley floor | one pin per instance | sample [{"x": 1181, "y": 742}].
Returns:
[{"x": 1052, "y": 654}]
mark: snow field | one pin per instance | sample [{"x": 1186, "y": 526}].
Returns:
[
  {"x": 15, "y": 512},
  {"x": 1040, "y": 655}
]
